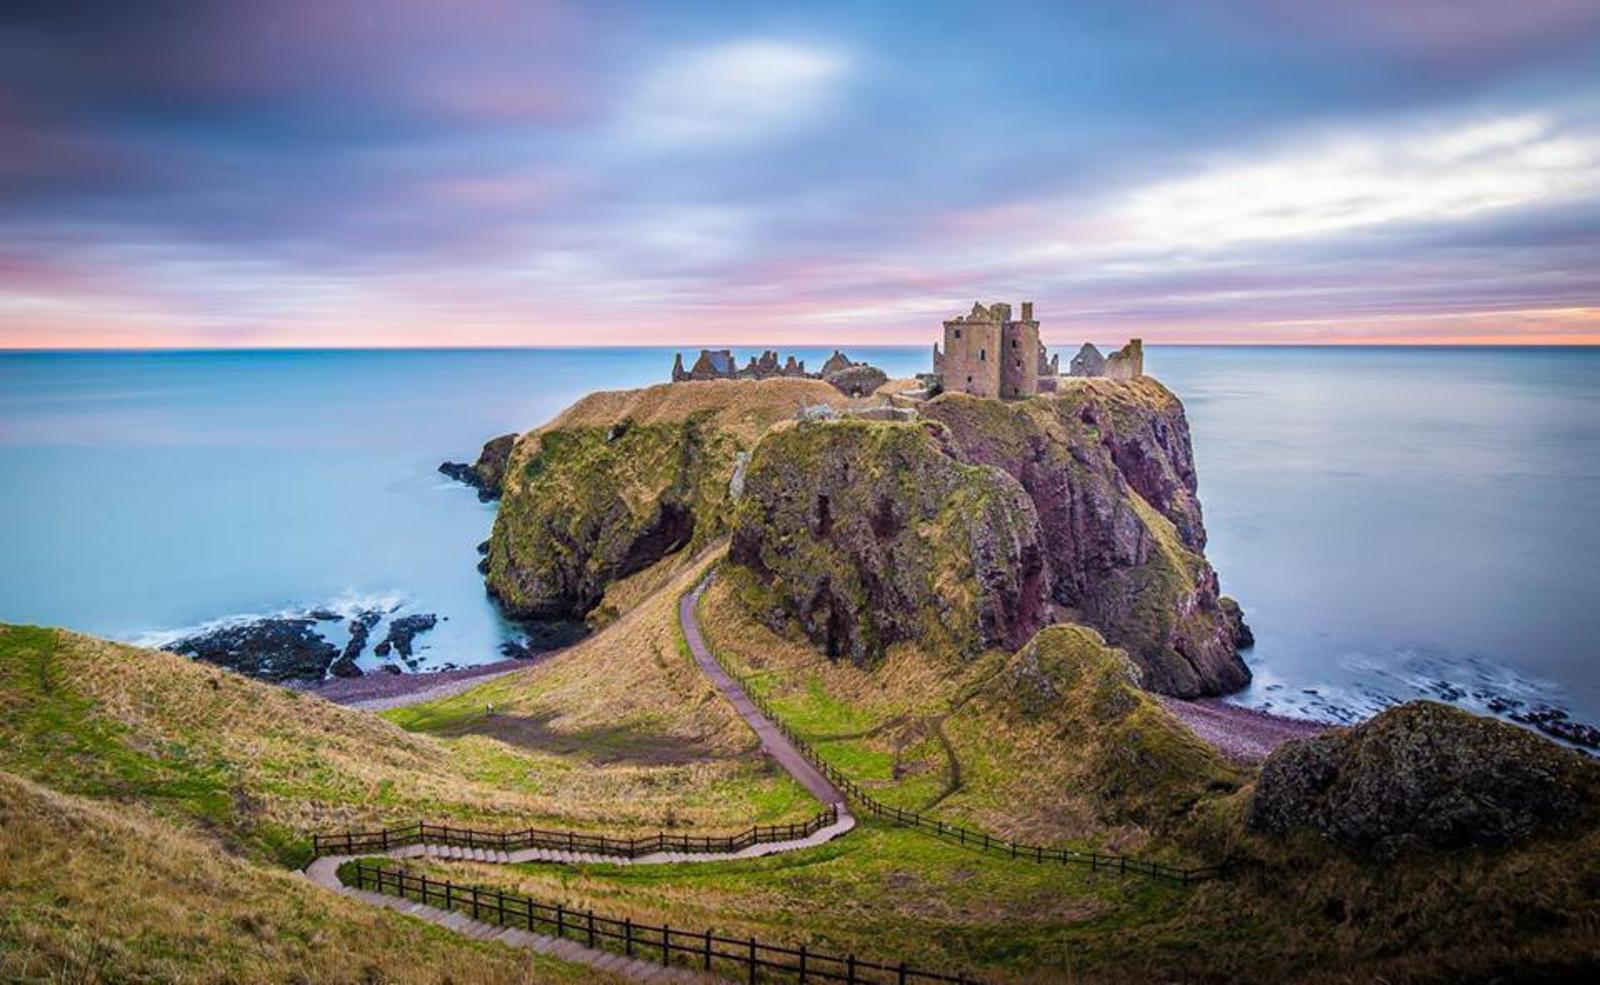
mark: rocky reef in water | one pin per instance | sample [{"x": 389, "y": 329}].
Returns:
[
  {"x": 987, "y": 520},
  {"x": 487, "y": 474},
  {"x": 1421, "y": 776},
  {"x": 292, "y": 648}
]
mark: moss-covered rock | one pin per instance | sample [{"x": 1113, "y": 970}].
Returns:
[
  {"x": 621, "y": 480},
  {"x": 866, "y": 533},
  {"x": 1423, "y": 775}
]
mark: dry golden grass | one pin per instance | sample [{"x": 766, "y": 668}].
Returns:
[
  {"x": 89, "y": 894},
  {"x": 632, "y": 696},
  {"x": 621, "y": 733},
  {"x": 744, "y": 408}
]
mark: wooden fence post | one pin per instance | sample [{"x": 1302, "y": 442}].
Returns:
[
  {"x": 561, "y": 920},
  {"x": 627, "y": 935},
  {"x": 802, "y": 964},
  {"x": 666, "y": 937},
  {"x": 591, "y": 926},
  {"x": 754, "y": 964},
  {"x": 708, "y": 949}
]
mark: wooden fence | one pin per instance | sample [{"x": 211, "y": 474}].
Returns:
[
  {"x": 705, "y": 950},
  {"x": 357, "y": 842},
  {"x": 969, "y": 837}
]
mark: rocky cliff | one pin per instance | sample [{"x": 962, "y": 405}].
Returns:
[
  {"x": 868, "y": 533},
  {"x": 623, "y": 479},
  {"x": 1423, "y": 775},
  {"x": 925, "y": 527}
]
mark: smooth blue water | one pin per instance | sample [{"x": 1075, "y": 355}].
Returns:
[{"x": 1387, "y": 517}]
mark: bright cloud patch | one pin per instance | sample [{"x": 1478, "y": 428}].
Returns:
[
  {"x": 737, "y": 92},
  {"x": 1352, "y": 182}
]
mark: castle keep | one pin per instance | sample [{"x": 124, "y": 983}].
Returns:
[{"x": 988, "y": 354}]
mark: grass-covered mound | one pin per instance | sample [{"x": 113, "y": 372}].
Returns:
[
  {"x": 630, "y": 699},
  {"x": 91, "y": 893},
  {"x": 621, "y": 480}
]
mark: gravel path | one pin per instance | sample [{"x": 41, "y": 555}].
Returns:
[
  {"x": 1241, "y": 734},
  {"x": 776, "y": 744}
]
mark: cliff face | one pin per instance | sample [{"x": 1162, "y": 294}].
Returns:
[
  {"x": 621, "y": 480},
  {"x": 1110, "y": 470},
  {"x": 867, "y": 533},
  {"x": 1112, "y": 539}
]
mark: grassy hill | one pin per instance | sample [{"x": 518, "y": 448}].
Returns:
[
  {"x": 91, "y": 892},
  {"x": 1052, "y": 744},
  {"x": 630, "y": 745}
]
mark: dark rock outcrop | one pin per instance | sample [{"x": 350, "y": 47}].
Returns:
[
  {"x": 487, "y": 474},
  {"x": 403, "y": 632},
  {"x": 360, "y": 626},
  {"x": 867, "y": 533},
  {"x": 1423, "y": 775},
  {"x": 272, "y": 649},
  {"x": 857, "y": 379}
]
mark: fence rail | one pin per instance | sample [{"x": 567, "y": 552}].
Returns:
[
  {"x": 969, "y": 837},
  {"x": 357, "y": 842},
  {"x": 705, "y": 950}
]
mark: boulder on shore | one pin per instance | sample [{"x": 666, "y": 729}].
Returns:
[{"x": 1423, "y": 775}]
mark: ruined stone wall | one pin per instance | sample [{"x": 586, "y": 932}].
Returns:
[{"x": 1127, "y": 363}]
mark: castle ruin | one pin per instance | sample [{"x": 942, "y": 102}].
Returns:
[
  {"x": 988, "y": 354},
  {"x": 853, "y": 379}
]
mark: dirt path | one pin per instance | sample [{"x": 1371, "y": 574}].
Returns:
[
  {"x": 776, "y": 744},
  {"x": 1241, "y": 734}
]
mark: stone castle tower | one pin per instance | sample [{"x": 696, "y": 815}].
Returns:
[{"x": 987, "y": 354}]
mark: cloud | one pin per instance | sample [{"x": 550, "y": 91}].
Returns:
[
  {"x": 1353, "y": 181},
  {"x": 734, "y": 93}
]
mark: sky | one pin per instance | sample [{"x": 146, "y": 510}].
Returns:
[{"x": 487, "y": 172}]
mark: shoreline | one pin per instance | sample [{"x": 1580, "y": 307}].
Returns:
[
  {"x": 1241, "y": 734},
  {"x": 380, "y": 691}
]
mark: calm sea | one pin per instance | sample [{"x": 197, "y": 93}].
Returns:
[{"x": 1395, "y": 521}]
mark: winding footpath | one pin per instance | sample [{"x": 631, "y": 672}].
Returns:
[{"x": 325, "y": 870}]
